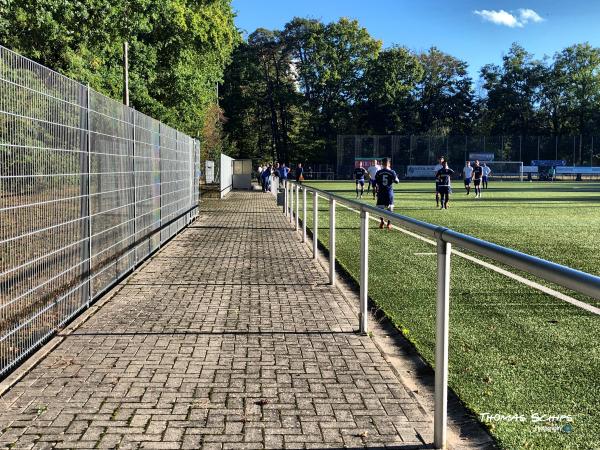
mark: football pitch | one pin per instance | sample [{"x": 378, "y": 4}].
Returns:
[{"x": 514, "y": 350}]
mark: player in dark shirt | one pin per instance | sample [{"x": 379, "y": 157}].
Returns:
[
  {"x": 477, "y": 176},
  {"x": 385, "y": 179},
  {"x": 359, "y": 176},
  {"x": 444, "y": 187}
]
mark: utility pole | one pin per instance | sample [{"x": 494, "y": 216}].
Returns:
[{"x": 126, "y": 73}]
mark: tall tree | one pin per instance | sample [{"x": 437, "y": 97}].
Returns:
[
  {"x": 514, "y": 92},
  {"x": 388, "y": 104},
  {"x": 178, "y": 49},
  {"x": 445, "y": 94},
  {"x": 577, "y": 73},
  {"x": 330, "y": 61}
]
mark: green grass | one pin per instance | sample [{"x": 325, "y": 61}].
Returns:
[{"x": 513, "y": 350}]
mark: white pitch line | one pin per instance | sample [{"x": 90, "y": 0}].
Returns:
[{"x": 533, "y": 284}]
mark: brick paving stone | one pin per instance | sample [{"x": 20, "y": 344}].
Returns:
[{"x": 228, "y": 338}]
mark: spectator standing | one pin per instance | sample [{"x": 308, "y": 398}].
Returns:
[
  {"x": 266, "y": 179},
  {"x": 299, "y": 173}
]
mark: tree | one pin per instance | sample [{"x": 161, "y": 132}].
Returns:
[
  {"x": 178, "y": 49},
  {"x": 330, "y": 61},
  {"x": 576, "y": 73},
  {"x": 388, "y": 103},
  {"x": 445, "y": 95},
  {"x": 514, "y": 91}
]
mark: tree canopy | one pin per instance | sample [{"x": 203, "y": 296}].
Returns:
[
  {"x": 178, "y": 49},
  {"x": 288, "y": 93}
]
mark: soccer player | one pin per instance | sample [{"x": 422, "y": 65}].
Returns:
[
  {"x": 486, "y": 174},
  {"x": 467, "y": 174},
  {"x": 444, "y": 187},
  {"x": 385, "y": 179},
  {"x": 373, "y": 169},
  {"x": 359, "y": 176},
  {"x": 439, "y": 165},
  {"x": 477, "y": 176}
]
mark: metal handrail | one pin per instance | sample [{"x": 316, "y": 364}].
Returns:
[
  {"x": 567, "y": 277},
  {"x": 564, "y": 276}
]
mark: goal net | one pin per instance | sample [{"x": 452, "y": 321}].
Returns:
[{"x": 505, "y": 170}]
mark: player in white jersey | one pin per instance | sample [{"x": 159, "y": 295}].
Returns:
[
  {"x": 486, "y": 174},
  {"x": 467, "y": 174},
  {"x": 438, "y": 167},
  {"x": 372, "y": 170}
]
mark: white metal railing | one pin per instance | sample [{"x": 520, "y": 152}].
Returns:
[{"x": 567, "y": 277}]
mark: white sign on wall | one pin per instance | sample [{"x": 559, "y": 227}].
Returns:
[
  {"x": 420, "y": 172},
  {"x": 210, "y": 172}
]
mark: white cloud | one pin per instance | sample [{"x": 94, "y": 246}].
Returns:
[
  {"x": 526, "y": 15},
  {"x": 509, "y": 19}
]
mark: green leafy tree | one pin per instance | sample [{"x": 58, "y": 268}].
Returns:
[
  {"x": 330, "y": 61},
  {"x": 445, "y": 94},
  {"x": 388, "y": 104},
  {"x": 576, "y": 75},
  {"x": 178, "y": 49},
  {"x": 513, "y": 93}
]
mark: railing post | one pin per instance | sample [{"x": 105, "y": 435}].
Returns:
[
  {"x": 297, "y": 206},
  {"x": 315, "y": 224},
  {"x": 441, "y": 345},
  {"x": 291, "y": 202},
  {"x": 303, "y": 214},
  {"x": 332, "y": 241},
  {"x": 285, "y": 198},
  {"x": 364, "y": 270}
]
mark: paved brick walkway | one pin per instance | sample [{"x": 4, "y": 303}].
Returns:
[{"x": 228, "y": 338}]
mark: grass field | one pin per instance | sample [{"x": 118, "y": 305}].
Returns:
[{"x": 513, "y": 350}]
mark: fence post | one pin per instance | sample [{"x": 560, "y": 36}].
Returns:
[
  {"x": 441, "y": 345},
  {"x": 315, "y": 223},
  {"x": 160, "y": 199},
  {"x": 303, "y": 214},
  {"x": 85, "y": 203},
  {"x": 332, "y": 241},
  {"x": 364, "y": 270},
  {"x": 135, "y": 259},
  {"x": 297, "y": 206}
]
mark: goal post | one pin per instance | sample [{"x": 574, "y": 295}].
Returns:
[{"x": 505, "y": 170}]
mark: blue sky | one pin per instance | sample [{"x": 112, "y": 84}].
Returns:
[{"x": 475, "y": 31}]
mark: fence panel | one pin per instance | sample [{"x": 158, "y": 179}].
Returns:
[
  {"x": 88, "y": 187},
  {"x": 405, "y": 150}
]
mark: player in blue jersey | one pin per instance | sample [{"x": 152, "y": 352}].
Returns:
[
  {"x": 359, "y": 177},
  {"x": 444, "y": 187},
  {"x": 438, "y": 166},
  {"x": 385, "y": 179},
  {"x": 477, "y": 176}
]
